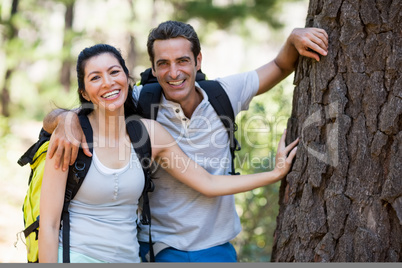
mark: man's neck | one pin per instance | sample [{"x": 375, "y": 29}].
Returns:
[{"x": 190, "y": 106}]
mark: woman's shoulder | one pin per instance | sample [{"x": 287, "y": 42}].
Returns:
[
  {"x": 150, "y": 123},
  {"x": 154, "y": 128}
]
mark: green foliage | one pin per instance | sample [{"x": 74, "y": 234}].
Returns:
[
  {"x": 260, "y": 129},
  {"x": 223, "y": 13}
]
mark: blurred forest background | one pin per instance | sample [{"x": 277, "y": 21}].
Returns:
[{"x": 41, "y": 39}]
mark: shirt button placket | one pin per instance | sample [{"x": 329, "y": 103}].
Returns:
[{"x": 116, "y": 186}]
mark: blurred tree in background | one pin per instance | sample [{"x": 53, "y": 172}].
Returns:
[
  {"x": 223, "y": 13},
  {"x": 41, "y": 39}
]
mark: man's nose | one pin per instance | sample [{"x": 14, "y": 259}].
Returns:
[{"x": 174, "y": 71}]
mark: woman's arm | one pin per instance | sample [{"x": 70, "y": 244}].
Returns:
[
  {"x": 51, "y": 205},
  {"x": 168, "y": 154}
]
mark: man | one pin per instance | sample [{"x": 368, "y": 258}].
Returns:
[{"x": 187, "y": 226}]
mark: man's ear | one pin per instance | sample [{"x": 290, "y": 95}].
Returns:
[{"x": 199, "y": 60}]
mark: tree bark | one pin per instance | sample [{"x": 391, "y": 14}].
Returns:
[
  {"x": 342, "y": 200},
  {"x": 65, "y": 73}
]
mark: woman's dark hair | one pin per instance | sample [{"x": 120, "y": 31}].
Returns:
[
  {"x": 83, "y": 57},
  {"x": 173, "y": 29}
]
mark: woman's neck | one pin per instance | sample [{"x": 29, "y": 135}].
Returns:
[{"x": 109, "y": 127}]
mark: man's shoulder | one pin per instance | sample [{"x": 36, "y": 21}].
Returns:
[{"x": 236, "y": 76}]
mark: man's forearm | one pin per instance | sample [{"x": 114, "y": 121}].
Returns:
[
  {"x": 287, "y": 57},
  {"x": 52, "y": 119}
]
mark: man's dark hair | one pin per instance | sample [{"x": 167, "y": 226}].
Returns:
[{"x": 173, "y": 29}]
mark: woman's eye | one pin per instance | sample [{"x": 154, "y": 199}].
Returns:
[
  {"x": 94, "y": 78},
  {"x": 115, "y": 72}
]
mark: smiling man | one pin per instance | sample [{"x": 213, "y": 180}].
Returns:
[
  {"x": 175, "y": 67},
  {"x": 186, "y": 225}
]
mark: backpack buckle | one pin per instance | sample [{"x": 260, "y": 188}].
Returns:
[
  {"x": 79, "y": 166},
  {"x": 150, "y": 186}
]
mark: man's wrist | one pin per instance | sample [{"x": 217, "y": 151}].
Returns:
[{"x": 277, "y": 174}]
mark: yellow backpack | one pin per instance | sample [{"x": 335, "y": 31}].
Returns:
[
  {"x": 31, "y": 203},
  {"x": 35, "y": 156}
]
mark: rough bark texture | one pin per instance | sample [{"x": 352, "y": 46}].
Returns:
[{"x": 342, "y": 200}]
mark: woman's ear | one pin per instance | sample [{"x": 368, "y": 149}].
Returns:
[{"x": 85, "y": 95}]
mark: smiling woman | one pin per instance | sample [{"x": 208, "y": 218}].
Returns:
[
  {"x": 103, "y": 77},
  {"x": 103, "y": 81}
]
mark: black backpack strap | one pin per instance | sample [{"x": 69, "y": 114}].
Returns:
[
  {"x": 148, "y": 102},
  {"x": 142, "y": 145},
  {"x": 28, "y": 156},
  {"x": 32, "y": 228},
  {"x": 76, "y": 175},
  {"x": 220, "y": 101},
  {"x": 147, "y": 77}
]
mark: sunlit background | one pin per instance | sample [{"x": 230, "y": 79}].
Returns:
[{"x": 41, "y": 39}]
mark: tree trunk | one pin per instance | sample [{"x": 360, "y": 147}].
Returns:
[
  {"x": 12, "y": 33},
  {"x": 132, "y": 55},
  {"x": 65, "y": 73},
  {"x": 342, "y": 200}
]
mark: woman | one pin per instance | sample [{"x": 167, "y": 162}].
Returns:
[{"x": 103, "y": 213}]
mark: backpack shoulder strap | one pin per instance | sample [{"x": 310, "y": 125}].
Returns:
[
  {"x": 147, "y": 77},
  {"x": 148, "y": 102},
  {"x": 28, "y": 156},
  {"x": 79, "y": 169},
  {"x": 220, "y": 101},
  {"x": 76, "y": 175},
  {"x": 142, "y": 145}
]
